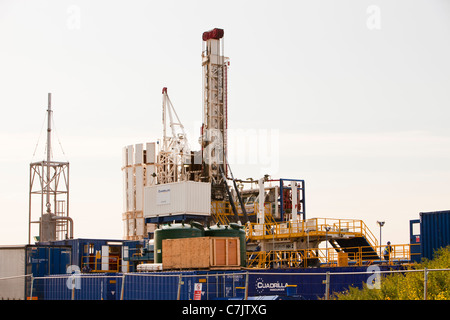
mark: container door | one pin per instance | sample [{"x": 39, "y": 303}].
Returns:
[
  {"x": 125, "y": 259},
  {"x": 414, "y": 237},
  {"x": 105, "y": 257}
]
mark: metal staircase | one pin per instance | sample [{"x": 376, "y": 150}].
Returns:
[{"x": 358, "y": 248}]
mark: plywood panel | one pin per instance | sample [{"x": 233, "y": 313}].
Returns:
[
  {"x": 232, "y": 256},
  {"x": 220, "y": 251}
]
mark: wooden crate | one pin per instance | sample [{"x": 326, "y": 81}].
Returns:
[{"x": 201, "y": 253}]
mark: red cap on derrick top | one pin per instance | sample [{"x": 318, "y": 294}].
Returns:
[{"x": 215, "y": 33}]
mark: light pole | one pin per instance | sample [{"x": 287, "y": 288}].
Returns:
[{"x": 381, "y": 224}]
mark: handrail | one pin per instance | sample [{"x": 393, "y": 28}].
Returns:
[
  {"x": 221, "y": 211},
  {"x": 330, "y": 257},
  {"x": 97, "y": 261},
  {"x": 316, "y": 226}
]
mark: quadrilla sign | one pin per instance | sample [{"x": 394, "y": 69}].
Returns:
[{"x": 275, "y": 286}]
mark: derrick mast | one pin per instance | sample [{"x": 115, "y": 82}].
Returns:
[{"x": 214, "y": 127}]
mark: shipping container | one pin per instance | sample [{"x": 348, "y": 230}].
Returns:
[
  {"x": 434, "y": 232},
  {"x": 18, "y": 263},
  {"x": 95, "y": 254},
  {"x": 179, "y": 198}
]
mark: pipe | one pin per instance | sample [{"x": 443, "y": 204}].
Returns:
[
  {"x": 49, "y": 148},
  {"x": 71, "y": 224}
]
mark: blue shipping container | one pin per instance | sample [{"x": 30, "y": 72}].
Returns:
[
  {"x": 170, "y": 285},
  {"x": 42, "y": 261},
  {"x": 434, "y": 231},
  {"x": 85, "y": 250}
]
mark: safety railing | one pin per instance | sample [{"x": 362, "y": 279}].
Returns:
[
  {"x": 333, "y": 257},
  {"x": 310, "y": 227},
  {"x": 98, "y": 263},
  {"x": 222, "y": 212}
]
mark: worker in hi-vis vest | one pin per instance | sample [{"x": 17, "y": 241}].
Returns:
[{"x": 387, "y": 251}]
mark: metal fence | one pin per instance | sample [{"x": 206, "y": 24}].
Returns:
[{"x": 309, "y": 284}]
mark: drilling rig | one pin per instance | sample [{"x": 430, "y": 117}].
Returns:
[
  {"x": 155, "y": 173},
  {"x": 214, "y": 127}
]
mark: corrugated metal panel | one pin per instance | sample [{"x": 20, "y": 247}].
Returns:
[
  {"x": 12, "y": 263},
  {"x": 434, "y": 231},
  {"x": 125, "y": 190},
  {"x": 187, "y": 197},
  {"x": 124, "y": 157},
  {"x": 130, "y": 189},
  {"x": 139, "y": 154},
  {"x": 130, "y": 150},
  {"x": 151, "y": 152},
  {"x": 139, "y": 173},
  {"x": 38, "y": 260}
]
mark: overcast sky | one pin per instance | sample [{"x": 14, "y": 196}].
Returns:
[{"x": 351, "y": 96}]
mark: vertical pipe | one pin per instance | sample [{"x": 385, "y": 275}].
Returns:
[
  {"x": 381, "y": 247},
  {"x": 123, "y": 287},
  {"x": 246, "y": 286},
  {"x": 327, "y": 286},
  {"x": 49, "y": 147},
  {"x": 73, "y": 289},
  {"x": 304, "y": 200},
  {"x": 261, "y": 196},
  {"x": 67, "y": 198},
  {"x": 425, "y": 283},
  {"x": 294, "y": 201},
  {"x": 29, "y": 205},
  {"x": 31, "y": 289},
  {"x": 281, "y": 200},
  {"x": 179, "y": 287}
]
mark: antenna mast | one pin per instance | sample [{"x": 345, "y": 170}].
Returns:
[{"x": 50, "y": 179}]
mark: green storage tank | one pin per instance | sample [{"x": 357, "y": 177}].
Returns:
[
  {"x": 175, "y": 231},
  {"x": 231, "y": 230}
]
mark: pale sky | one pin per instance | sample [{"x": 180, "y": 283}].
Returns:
[{"x": 352, "y": 96}]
